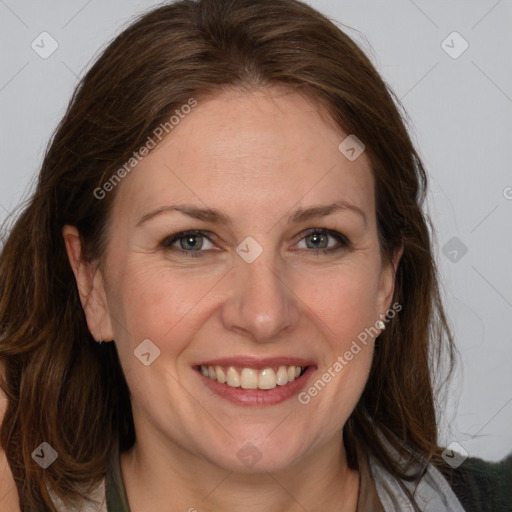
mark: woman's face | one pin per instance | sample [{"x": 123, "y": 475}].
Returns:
[{"x": 252, "y": 297}]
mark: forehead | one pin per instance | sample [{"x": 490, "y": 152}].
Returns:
[{"x": 267, "y": 148}]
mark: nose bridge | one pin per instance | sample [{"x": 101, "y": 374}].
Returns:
[{"x": 260, "y": 303}]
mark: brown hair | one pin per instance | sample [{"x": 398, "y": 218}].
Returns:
[{"x": 64, "y": 388}]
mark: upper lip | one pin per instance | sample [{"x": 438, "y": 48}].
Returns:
[{"x": 256, "y": 362}]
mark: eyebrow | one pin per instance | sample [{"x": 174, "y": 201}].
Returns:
[
  {"x": 303, "y": 214},
  {"x": 216, "y": 217}
]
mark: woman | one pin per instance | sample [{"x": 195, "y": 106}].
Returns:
[{"x": 222, "y": 294}]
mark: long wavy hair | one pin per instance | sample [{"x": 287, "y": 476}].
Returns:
[{"x": 65, "y": 389}]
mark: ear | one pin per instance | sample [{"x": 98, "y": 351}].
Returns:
[
  {"x": 90, "y": 285},
  {"x": 387, "y": 281}
]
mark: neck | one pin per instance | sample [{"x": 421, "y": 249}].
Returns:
[{"x": 158, "y": 473}]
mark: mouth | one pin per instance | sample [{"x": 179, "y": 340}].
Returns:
[{"x": 255, "y": 382}]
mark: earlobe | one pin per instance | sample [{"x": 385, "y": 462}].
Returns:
[{"x": 90, "y": 286}]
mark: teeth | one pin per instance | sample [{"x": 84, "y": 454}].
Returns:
[
  {"x": 249, "y": 378},
  {"x": 221, "y": 376},
  {"x": 233, "y": 378},
  {"x": 282, "y": 376},
  {"x": 267, "y": 379}
]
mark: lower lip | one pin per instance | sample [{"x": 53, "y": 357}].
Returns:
[{"x": 257, "y": 397}]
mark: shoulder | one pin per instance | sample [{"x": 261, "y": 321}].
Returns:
[
  {"x": 482, "y": 486},
  {"x": 9, "y": 501}
]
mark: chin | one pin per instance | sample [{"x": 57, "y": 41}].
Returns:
[{"x": 256, "y": 457}]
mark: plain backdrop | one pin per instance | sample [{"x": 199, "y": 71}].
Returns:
[{"x": 457, "y": 90}]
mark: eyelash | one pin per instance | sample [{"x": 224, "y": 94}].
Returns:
[{"x": 343, "y": 241}]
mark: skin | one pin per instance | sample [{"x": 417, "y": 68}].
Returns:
[{"x": 257, "y": 157}]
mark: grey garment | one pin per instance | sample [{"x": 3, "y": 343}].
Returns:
[
  {"x": 431, "y": 494},
  {"x": 95, "y": 503}
]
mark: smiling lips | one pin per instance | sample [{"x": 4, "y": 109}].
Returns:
[
  {"x": 253, "y": 381},
  {"x": 251, "y": 373},
  {"x": 250, "y": 378}
]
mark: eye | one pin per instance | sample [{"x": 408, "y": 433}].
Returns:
[
  {"x": 194, "y": 242},
  {"x": 188, "y": 242},
  {"x": 317, "y": 239}
]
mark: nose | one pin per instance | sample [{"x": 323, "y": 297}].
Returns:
[{"x": 260, "y": 304}]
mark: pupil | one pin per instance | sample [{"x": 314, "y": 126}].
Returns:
[
  {"x": 191, "y": 241},
  {"x": 316, "y": 237}
]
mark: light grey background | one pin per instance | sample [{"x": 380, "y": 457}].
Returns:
[{"x": 461, "y": 111}]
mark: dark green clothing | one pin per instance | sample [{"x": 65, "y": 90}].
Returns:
[
  {"x": 114, "y": 488},
  {"x": 482, "y": 486}
]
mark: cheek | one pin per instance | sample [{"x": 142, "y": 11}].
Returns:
[
  {"x": 344, "y": 299},
  {"x": 159, "y": 303},
  {"x": 345, "y": 304}
]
